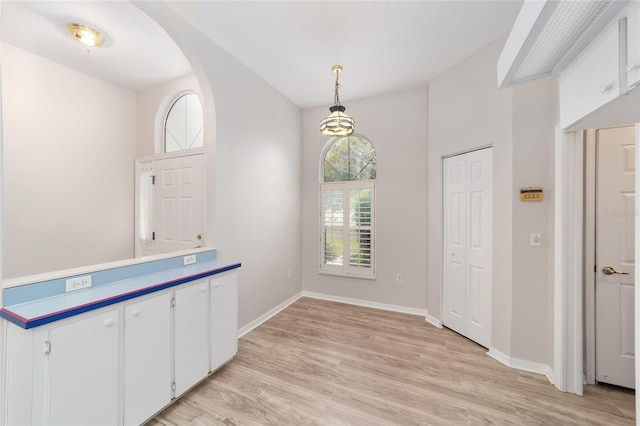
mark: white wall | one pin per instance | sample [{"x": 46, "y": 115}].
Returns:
[
  {"x": 534, "y": 117},
  {"x": 151, "y": 108},
  {"x": 256, "y": 181},
  {"x": 69, "y": 144},
  {"x": 396, "y": 124},
  {"x": 467, "y": 110}
]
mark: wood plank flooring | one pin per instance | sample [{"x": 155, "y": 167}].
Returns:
[{"x": 327, "y": 363}]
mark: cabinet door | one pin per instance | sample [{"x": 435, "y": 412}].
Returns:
[
  {"x": 83, "y": 371},
  {"x": 224, "y": 318},
  {"x": 592, "y": 80},
  {"x": 147, "y": 358},
  {"x": 633, "y": 44},
  {"x": 191, "y": 335}
]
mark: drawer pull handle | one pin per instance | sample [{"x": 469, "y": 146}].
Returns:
[
  {"x": 108, "y": 323},
  {"x": 633, "y": 67},
  {"x": 605, "y": 88},
  {"x": 216, "y": 285},
  {"x": 202, "y": 289},
  {"x": 135, "y": 313}
]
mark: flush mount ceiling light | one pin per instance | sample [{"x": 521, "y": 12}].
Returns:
[
  {"x": 337, "y": 123},
  {"x": 86, "y": 35}
]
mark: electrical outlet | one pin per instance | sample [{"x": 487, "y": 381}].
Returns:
[
  {"x": 78, "y": 283},
  {"x": 399, "y": 278},
  {"x": 188, "y": 260}
]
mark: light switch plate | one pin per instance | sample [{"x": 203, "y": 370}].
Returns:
[{"x": 188, "y": 260}]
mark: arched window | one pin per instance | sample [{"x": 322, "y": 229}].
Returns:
[
  {"x": 184, "y": 124},
  {"x": 347, "y": 207}
]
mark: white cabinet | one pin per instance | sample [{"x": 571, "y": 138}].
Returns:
[
  {"x": 633, "y": 44},
  {"x": 122, "y": 364},
  {"x": 76, "y": 371},
  {"x": 147, "y": 357},
  {"x": 223, "y": 319},
  {"x": 593, "y": 79},
  {"x": 191, "y": 335}
]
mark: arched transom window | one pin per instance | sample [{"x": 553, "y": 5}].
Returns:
[
  {"x": 347, "y": 207},
  {"x": 184, "y": 124}
]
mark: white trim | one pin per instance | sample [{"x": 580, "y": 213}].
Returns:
[
  {"x": 432, "y": 320},
  {"x": 637, "y": 268},
  {"x": 367, "y": 303},
  {"x": 568, "y": 263},
  {"x": 268, "y": 315},
  {"x": 348, "y": 300},
  {"x": 163, "y": 112},
  {"x": 589, "y": 256},
  {"x": 521, "y": 364}
]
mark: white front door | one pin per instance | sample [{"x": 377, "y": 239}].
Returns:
[
  {"x": 178, "y": 203},
  {"x": 615, "y": 233},
  {"x": 467, "y": 228}
]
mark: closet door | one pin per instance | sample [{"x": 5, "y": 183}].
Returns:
[
  {"x": 454, "y": 233},
  {"x": 467, "y": 228}
]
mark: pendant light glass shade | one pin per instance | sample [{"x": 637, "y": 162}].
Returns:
[{"x": 337, "y": 123}]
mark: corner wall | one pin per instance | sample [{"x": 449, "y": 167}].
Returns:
[
  {"x": 255, "y": 181},
  {"x": 467, "y": 111}
]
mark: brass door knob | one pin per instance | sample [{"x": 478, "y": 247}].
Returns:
[
  {"x": 610, "y": 270},
  {"x": 199, "y": 237}
]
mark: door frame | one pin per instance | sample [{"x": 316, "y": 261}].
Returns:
[{"x": 569, "y": 263}]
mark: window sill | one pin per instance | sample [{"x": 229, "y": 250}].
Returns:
[{"x": 346, "y": 275}]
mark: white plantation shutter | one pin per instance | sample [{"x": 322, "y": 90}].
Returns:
[{"x": 347, "y": 222}]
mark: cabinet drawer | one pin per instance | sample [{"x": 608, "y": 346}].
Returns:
[{"x": 592, "y": 80}]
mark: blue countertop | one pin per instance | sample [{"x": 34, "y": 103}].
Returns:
[{"x": 42, "y": 311}]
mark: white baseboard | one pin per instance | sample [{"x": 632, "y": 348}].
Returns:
[
  {"x": 366, "y": 303},
  {"x": 433, "y": 320},
  {"x": 521, "y": 364},
  {"x": 271, "y": 313}
]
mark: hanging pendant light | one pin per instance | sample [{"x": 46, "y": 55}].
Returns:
[{"x": 337, "y": 123}]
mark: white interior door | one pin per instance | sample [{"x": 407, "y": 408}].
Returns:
[
  {"x": 467, "y": 228},
  {"x": 454, "y": 215},
  {"x": 615, "y": 233},
  {"x": 178, "y": 203}
]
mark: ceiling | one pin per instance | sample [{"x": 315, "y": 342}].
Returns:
[
  {"x": 132, "y": 61},
  {"x": 384, "y": 46}
]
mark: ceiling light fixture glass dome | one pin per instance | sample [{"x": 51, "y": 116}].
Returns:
[
  {"x": 86, "y": 35},
  {"x": 337, "y": 123}
]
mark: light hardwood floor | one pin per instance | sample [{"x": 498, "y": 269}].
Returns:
[{"x": 327, "y": 363}]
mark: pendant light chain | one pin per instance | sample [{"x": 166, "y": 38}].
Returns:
[
  {"x": 336, "y": 98},
  {"x": 337, "y": 123}
]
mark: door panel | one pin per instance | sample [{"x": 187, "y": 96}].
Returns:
[
  {"x": 454, "y": 243},
  {"x": 147, "y": 357},
  {"x": 479, "y": 192},
  {"x": 179, "y": 203},
  {"x": 615, "y": 230},
  {"x": 191, "y": 340},
  {"x": 84, "y": 373},
  {"x": 467, "y": 228}
]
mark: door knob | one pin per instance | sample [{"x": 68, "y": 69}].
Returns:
[
  {"x": 609, "y": 270},
  {"x": 199, "y": 237}
]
